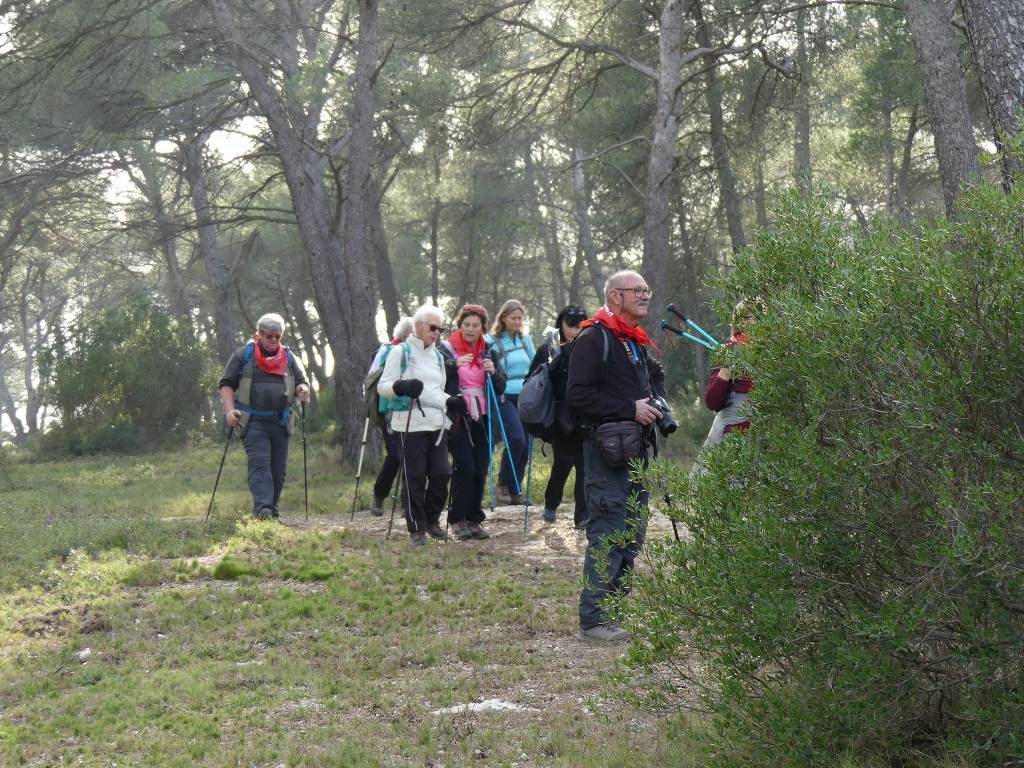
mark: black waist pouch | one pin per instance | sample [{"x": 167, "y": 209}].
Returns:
[{"x": 619, "y": 442}]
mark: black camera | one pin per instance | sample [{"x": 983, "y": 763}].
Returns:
[{"x": 666, "y": 422}]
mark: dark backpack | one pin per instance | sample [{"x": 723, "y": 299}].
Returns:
[{"x": 543, "y": 410}]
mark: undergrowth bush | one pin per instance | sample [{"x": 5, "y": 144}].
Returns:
[
  {"x": 126, "y": 379},
  {"x": 852, "y": 586}
]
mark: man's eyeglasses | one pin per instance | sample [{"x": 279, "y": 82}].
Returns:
[{"x": 640, "y": 293}]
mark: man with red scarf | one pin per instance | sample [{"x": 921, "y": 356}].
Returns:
[
  {"x": 611, "y": 379},
  {"x": 258, "y": 390}
]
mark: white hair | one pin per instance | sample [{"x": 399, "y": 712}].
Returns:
[
  {"x": 613, "y": 281},
  {"x": 428, "y": 312},
  {"x": 403, "y": 328},
  {"x": 272, "y": 322}
]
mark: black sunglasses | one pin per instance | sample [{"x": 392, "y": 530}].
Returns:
[{"x": 574, "y": 319}]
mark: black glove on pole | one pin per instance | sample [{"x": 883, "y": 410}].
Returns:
[{"x": 231, "y": 431}]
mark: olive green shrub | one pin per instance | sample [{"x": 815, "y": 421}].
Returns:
[{"x": 850, "y": 584}]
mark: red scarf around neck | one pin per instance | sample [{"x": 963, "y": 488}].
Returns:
[
  {"x": 617, "y": 325},
  {"x": 461, "y": 347},
  {"x": 276, "y": 364}
]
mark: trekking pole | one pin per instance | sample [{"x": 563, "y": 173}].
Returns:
[
  {"x": 405, "y": 474},
  {"x": 501, "y": 425},
  {"x": 529, "y": 477},
  {"x": 305, "y": 474},
  {"x": 675, "y": 311},
  {"x": 231, "y": 431},
  {"x": 490, "y": 440},
  {"x": 359, "y": 469}
]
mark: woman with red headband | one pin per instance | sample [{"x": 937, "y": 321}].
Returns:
[{"x": 475, "y": 360}]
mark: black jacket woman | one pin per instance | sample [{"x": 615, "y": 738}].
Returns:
[{"x": 567, "y": 443}]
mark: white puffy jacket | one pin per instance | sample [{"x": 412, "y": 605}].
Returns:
[{"x": 427, "y": 365}]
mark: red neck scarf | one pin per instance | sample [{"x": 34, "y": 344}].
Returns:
[
  {"x": 276, "y": 364},
  {"x": 617, "y": 325},
  {"x": 461, "y": 347}
]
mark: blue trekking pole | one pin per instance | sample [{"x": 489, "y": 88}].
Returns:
[
  {"x": 490, "y": 440},
  {"x": 675, "y": 311},
  {"x": 501, "y": 424},
  {"x": 667, "y": 326}
]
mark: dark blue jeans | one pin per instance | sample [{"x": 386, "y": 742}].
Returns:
[
  {"x": 607, "y": 491},
  {"x": 516, "y": 445},
  {"x": 266, "y": 445}
]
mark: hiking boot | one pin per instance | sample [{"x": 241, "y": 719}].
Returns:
[
  {"x": 502, "y": 493},
  {"x": 437, "y": 532},
  {"x": 461, "y": 531},
  {"x": 418, "y": 538},
  {"x": 550, "y": 515},
  {"x": 264, "y": 513},
  {"x": 477, "y": 531},
  {"x": 581, "y": 525},
  {"x": 377, "y": 510},
  {"x": 517, "y": 499},
  {"x": 610, "y": 633}
]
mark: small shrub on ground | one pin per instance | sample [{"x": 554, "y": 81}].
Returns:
[{"x": 853, "y": 584}]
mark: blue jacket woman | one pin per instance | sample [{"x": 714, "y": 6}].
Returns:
[{"x": 515, "y": 352}]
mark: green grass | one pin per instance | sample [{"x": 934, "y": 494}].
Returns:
[{"x": 252, "y": 643}]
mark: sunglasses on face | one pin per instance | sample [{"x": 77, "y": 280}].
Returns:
[
  {"x": 433, "y": 328},
  {"x": 270, "y": 336},
  {"x": 573, "y": 320}
]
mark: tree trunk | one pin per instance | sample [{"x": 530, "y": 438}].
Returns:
[
  {"x": 995, "y": 29},
  {"x": 382, "y": 261},
  {"x": 340, "y": 278},
  {"x": 694, "y": 271},
  {"x": 945, "y": 96},
  {"x": 661, "y": 162},
  {"x": 802, "y": 122},
  {"x": 547, "y": 230},
  {"x": 719, "y": 147},
  {"x": 586, "y": 234},
  {"x": 8, "y": 406},
  {"x": 902, "y": 211},
  {"x": 435, "y": 226},
  {"x": 226, "y": 331}
]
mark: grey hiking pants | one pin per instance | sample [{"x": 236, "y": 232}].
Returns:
[
  {"x": 266, "y": 445},
  {"x": 607, "y": 490}
]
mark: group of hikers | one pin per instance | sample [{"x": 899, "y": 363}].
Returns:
[{"x": 454, "y": 399}]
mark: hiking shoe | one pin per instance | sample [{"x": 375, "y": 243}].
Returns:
[
  {"x": 377, "y": 510},
  {"x": 477, "y": 531},
  {"x": 610, "y": 633},
  {"x": 418, "y": 538},
  {"x": 502, "y": 493},
  {"x": 264, "y": 513},
  {"x": 550, "y": 515},
  {"x": 461, "y": 531},
  {"x": 518, "y": 498},
  {"x": 437, "y": 532},
  {"x": 581, "y": 525}
]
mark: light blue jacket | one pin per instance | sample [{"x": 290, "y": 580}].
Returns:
[{"x": 515, "y": 357}]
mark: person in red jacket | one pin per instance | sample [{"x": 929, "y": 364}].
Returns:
[{"x": 724, "y": 394}]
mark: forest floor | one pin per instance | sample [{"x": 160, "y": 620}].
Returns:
[{"x": 132, "y": 634}]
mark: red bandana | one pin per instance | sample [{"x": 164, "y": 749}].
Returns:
[
  {"x": 619, "y": 327},
  {"x": 276, "y": 364},
  {"x": 461, "y": 347}
]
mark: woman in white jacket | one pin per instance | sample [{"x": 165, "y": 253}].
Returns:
[{"x": 415, "y": 380}]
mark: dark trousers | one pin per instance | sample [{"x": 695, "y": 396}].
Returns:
[
  {"x": 470, "y": 476},
  {"x": 516, "y": 446},
  {"x": 392, "y": 463},
  {"x": 426, "y": 479},
  {"x": 266, "y": 446},
  {"x": 608, "y": 490},
  {"x": 568, "y": 456}
]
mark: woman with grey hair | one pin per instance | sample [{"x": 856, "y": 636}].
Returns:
[
  {"x": 258, "y": 390},
  {"x": 392, "y": 459},
  {"x": 419, "y": 391}
]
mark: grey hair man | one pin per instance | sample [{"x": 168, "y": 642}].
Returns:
[
  {"x": 258, "y": 390},
  {"x": 611, "y": 379}
]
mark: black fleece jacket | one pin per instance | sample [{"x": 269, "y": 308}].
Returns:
[{"x": 600, "y": 391}]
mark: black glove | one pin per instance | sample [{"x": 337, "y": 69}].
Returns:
[
  {"x": 408, "y": 388},
  {"x": 457, "y": 406}
]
